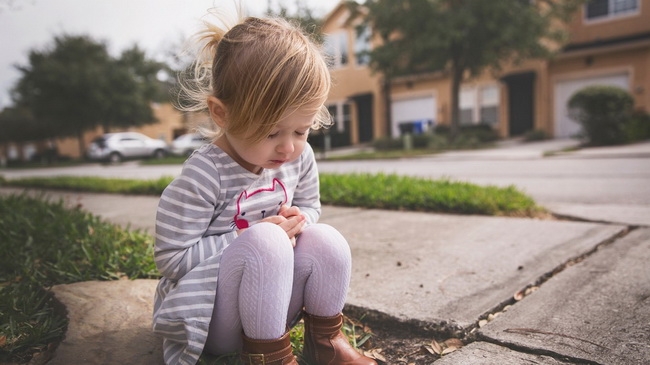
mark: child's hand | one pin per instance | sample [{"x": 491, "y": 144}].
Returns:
[
  {"x": 289, "y": 212},
  {"x": 292, "y": 225}
]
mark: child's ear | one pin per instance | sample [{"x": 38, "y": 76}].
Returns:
[{"x": 218, "y": 111}]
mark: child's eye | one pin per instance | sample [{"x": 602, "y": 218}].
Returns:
[
  {"x": 273, "y": 135},
  {"x": 299, "y": 133}
]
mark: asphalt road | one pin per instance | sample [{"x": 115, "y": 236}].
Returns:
[{"x": 583, "y": 177}]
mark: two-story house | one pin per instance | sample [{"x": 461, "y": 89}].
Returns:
[{"x": 609, "y": 44}]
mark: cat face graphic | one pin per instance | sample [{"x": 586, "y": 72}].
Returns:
[{"x": 254, "y": 206}]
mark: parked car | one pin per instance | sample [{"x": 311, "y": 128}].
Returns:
[
  {"x": 115, "y": 147},
  {"x": 185, "y": 144}
]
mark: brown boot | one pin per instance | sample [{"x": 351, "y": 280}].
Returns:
[
  {"x": 268, "y": 352},
  {"x": 325, "y": 344}
]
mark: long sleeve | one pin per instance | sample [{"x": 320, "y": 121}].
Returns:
[
  {"x": 307, "y": 193},
  {"x": 184, "y": 214}
]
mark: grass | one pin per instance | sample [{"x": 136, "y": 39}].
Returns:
[
  {"x": 93, "y": 184},
  {"x": 378, "y": 191},
  {"x": 58, "y": 245},
  {"x": 168, "y": 160},
  {"x": 382, "y": 155},
  {"x": 44, "y": 244},
  {"x": 396, "y": 192}
]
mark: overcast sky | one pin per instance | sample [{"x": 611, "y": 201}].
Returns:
[{"x": 155, "y": 25}]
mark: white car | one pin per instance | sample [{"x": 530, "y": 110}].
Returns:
[
  {"x": 185, "y": 144},
  {"x": 115, "y": 147}
]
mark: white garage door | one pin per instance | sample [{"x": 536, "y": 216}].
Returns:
[
  {"x": 411, "y": 110},
  {"x": 566, "y": 127}
]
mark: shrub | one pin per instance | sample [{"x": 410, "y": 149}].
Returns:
[
  {"x": 602, "y": 111},
  {"x": 637, "y": 127},
  {"x": 481, "y": 132},
  {"x": 386, "y": 144},
  {"x": 535, "y": 135},
  {"x": 469, "y": 136}
]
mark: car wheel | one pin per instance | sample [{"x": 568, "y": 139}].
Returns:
[
  {"x": 115, "y": 157},
  {"x": 159, "y": 154}
]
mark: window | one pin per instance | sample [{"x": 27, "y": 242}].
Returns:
[
  {"x": 489, "y": 105},
  {"x": 601, "y": 9},
  {"x": 362, "y": 46},
  {"x": 336, "y": 47},
  {"x": 341, "y": 114},
  {"x": 467, "y": 104},
  {"x": 479, "y": 105}
]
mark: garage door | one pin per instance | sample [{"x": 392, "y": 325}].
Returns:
[
  {"x": 566, "y": 127},
  {"x": 412, "y": 110}
]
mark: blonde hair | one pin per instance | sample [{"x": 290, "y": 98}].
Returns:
[{"x": 259, "y": 69}]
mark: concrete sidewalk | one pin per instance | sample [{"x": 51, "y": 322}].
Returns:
[
  {"x": 445, "y": 272},
  {"x": 588, "y": 279}
]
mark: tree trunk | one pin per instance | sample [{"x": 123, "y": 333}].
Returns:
[
  {"x": 387, "y": 104},
  {"x": 456, "y": 79},
  {"x": 4, "y": 153},
  {"x": 80, "y": 140}
]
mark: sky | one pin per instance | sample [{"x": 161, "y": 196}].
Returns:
[{"x": 156, "y": 26}]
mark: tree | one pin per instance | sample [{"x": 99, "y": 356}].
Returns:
[
  {"x": 461, "y": 37},
  {"x": 19, "y": 125},
  {"x": 304, "y": 16},
  {"x": 133, "y": 83},
  {"x": 75, "y": 85}
]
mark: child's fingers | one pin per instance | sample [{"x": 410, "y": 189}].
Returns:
[
  {"x": 288, "y": 212},
  {"x": 294, "y": 225},
  {"x": 283, "y": 209},
  {"x": 275, "y": 219}
]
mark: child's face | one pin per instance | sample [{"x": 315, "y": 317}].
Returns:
[{"x": 285, "y": 143}]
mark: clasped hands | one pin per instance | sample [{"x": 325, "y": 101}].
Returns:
[{"x": 290, "y": 219}]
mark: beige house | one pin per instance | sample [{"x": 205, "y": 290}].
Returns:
[{"x": 609, "y": 44}]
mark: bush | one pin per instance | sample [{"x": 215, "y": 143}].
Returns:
[
  {"x": 386, "y": 144},
  {"x": 535, "y": 135},
  {"x": 637, "y": 127},
  {"x": 481, "y": 132},
  {"x": 469, "y": 136},
  {"x": 602, "y": 111}
]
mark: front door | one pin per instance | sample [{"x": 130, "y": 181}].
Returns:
[
  {"x": 364, "y": 117},
  {"x": 520, "y": 102}
]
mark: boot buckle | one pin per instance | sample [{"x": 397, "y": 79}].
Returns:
[{"x": 256, "y": 359}]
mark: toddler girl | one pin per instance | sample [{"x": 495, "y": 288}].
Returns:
[{"x": 237, "y": 239}]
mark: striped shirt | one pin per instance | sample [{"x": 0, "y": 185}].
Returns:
[{"x": 197, "y": 218}]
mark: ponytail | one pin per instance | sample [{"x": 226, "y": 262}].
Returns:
[{"x": 195, "y": 82}]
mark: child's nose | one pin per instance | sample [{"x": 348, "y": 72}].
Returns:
[{"x": 286, "y": 146}]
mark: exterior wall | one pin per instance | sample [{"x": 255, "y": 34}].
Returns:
[
  {"x": 596, "y": 47},
  {"x": 353, "y": 79},
  {"x": 583, "y": 30}
]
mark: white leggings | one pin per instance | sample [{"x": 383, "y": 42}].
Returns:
[{"x": 264, "y": 283}]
